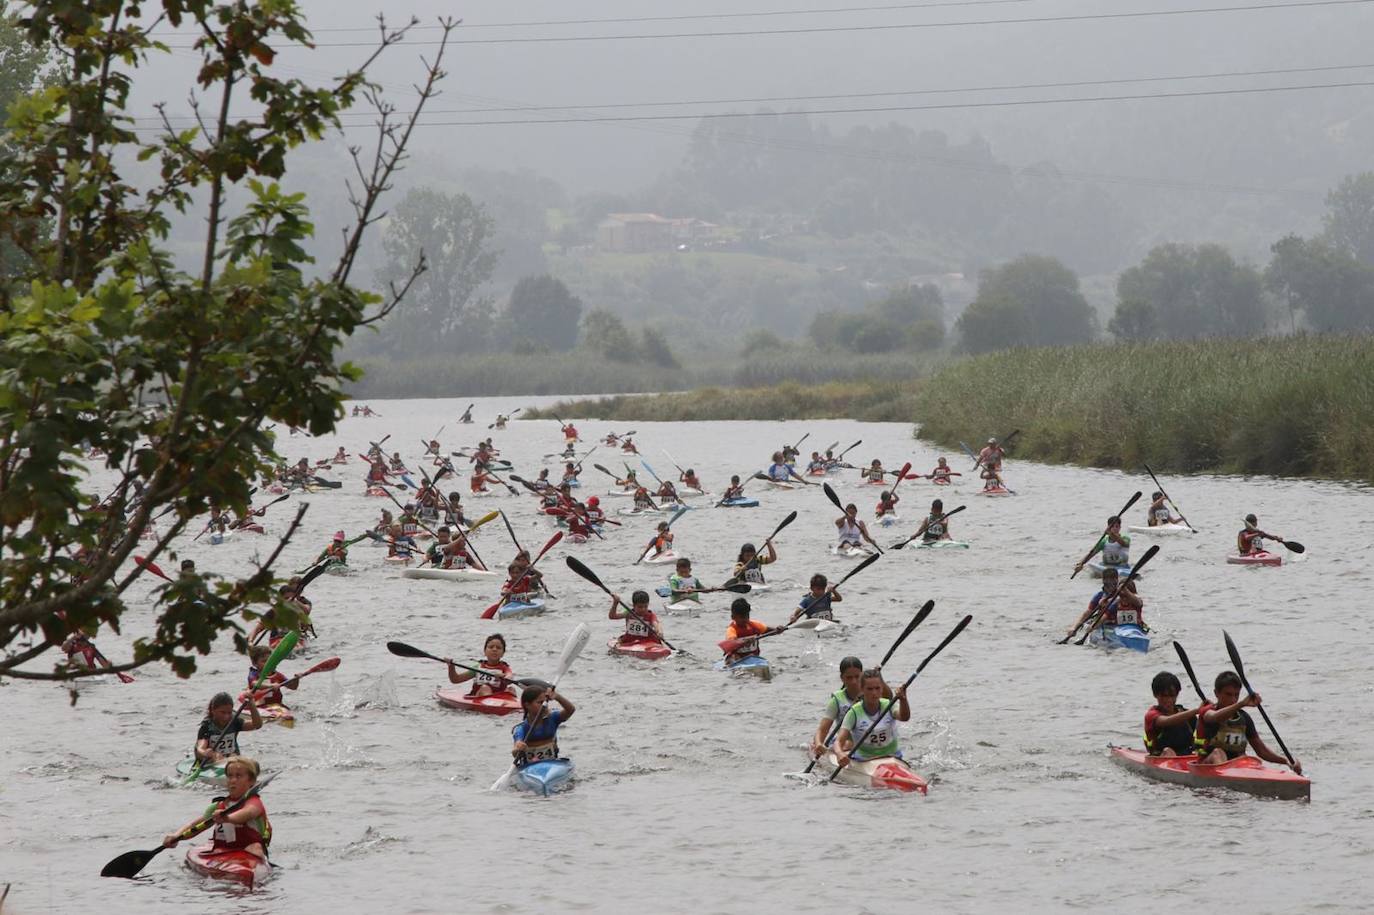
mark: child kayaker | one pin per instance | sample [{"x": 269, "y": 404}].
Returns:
[
  {"x": 335, "y": 552},
  {"x": 682, "y": 584},
  {"x": 780, "y": 471},
  {"x": 643, "y": 500},
  {"x": 941, "y": 473},
  {"x": 536, "y": 736},
  {"x": 526, "y": 579},
  {"x": 887, "y": 503},
  {"x": 642, "y": 624},
  {"x": 270, "y": 691},
  {"x": 734, "y": 491},
  {"x": 400, "y": 546},
  {"x": 218, "y": 736},
  {"x": 934, "y": 527},
  {"x": 1250, "y": 540},
  {"x": 859, "y": 722},
  {"x": 1168, "y": 726},
  {"x": 1224, "y": 729},
  {"x": 749, "y": 566},
  {"x": 1159, "y": 511},
  {"x": 246, "y": 829},
  {"x": 1124, "y": 606},
  {"x": 498, "y": 681},
  {"x": 689, "y": 480},
  {"x": 662, "y": 542},
  {"x": 851, "y": 531},
  {"x": 1114, "y": 546},
  {"x": 874, "y": 472},
  {"x": 667, "y": 492},
  {"x": 817, "y": 602},
  {"x": 569, "y": 474},
  {"x": 742, "y": 627},
  {"x": 839, "y": 702}
]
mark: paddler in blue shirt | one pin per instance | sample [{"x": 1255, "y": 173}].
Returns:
[
  {"x": 536, "y": 736},
  {"x": 817, "y": 602},
  {"x": 780, "y": 471}
]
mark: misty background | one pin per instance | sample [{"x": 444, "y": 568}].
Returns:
[{"x": 881, "y": 222}]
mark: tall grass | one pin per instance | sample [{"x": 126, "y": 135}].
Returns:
[
  {"x": 871, "y": 401},
  {"x": 1296, "y": 406}
]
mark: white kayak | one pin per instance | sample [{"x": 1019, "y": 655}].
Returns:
[
  {"x": 619, "y": 495},
  {"x": 686, "y": 605},
  {"x": 889, "y": 519},
  {"x": 688, "y": 493},
  {"x": 1162, "y": 529},
  {"x": 890, "y": 772},
  {"x": 667, "y": 556},
  {"x": 631, "y": 512},
  {"x": 782, "y": 484},
  {"x": 850, "y": 551},
  {"x": 430, "y": 572}
]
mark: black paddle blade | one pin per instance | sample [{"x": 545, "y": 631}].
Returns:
[
  {"x": 581, "y": 569},
  {"x": 830, "y": 494},
  {"x": 130, "y": 863},
  {"x": 401, "y": 649},
  {"x": 793, "y": 517},
  {"x": 738, "y": 587},
  {"x": 1129, "y": 502},
  {"x": 1188, "y": 668},
  {"x": 910, "y": 628},
  {"x": 1234, "y": 653},
  {"x": 1294, "y": 546}
]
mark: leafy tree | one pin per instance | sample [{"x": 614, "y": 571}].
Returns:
[
  {"x": 1183, "y": 292},
  {"x": 1031, "y": 301},
  {"x": 22, "y": 69},
  {"x": 603, "y": 332},
  {"x": 542, "y": 310},
  {"x": 171, "y": 374},
  {"x": 1333, "y": 290},
  {"x": 761, "y": 341},
  {"x": 654, "y": 349},
  {"x": 913, "y": 303},
  {"x": 444, "y": 314},
  {"x": 1349, "y": 219},
  {"x": 925, "y": 334}
]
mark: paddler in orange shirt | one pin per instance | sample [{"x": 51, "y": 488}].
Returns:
[{"x": 741, "y": 627}]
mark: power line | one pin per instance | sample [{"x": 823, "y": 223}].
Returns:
[{"x": 1026, "y": 20}]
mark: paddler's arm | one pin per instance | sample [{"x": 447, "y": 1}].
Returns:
[
  {"x": 903, "y": 712},
  {"x": 822, "y": 732},
  {"x": 1215, "y": 715},
  {"x": 844, "y": 743},
  {"x": 254, "y": 719},
  {"x": 615, "y": 613},
  {"x": 458, "y": 676},
  {"x": 1097, "y": 548},
  {"x": 1263, "y": 752},
  {"x": 772, "y": 554},
  {"x": 922, "y": 529},
  {"x": 251, "y": 810},
  {"x": 1083, "y": 618},
  {"x": 1182, "y": 716},
  {"x": 564, "y": 702}
]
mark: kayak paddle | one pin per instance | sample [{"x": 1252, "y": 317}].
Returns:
[
  {"x": 491, "y": 611},
  {"x": 1107, "y": 598},
  {"x": 1093, "y": 552},
  {"x": 840, "y": 456},
  {"x": 576, "y": 642},
  {"x": 581, "y": 569},
  {"x": 402, "y": 650},
  {"x": 830, "y": 494},
  {"x": 963, "y": 624},
  {"x": 1188, "y": 667},
  {"x": 99, "y": 656},
  {"x": 510, "y": 530},
  {"x": 130, "y": 863},
  {"x": 1167, "y": 499},
  {"x": 952, "y": 511},
  {"x": 284, "y": 648},
  {"x": 916, "y": 620},
  {"x": 901, "y": 475},
  {"x": 151, "y": 567},
  {"x": 326, "y": 665},
  {"x": 1234, "y": 652},
  {"x": 1291, "y": 545}
]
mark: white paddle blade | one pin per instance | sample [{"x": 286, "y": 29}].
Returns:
[
  {"x": 576, "y": 642},
  {"x": 504, "y": 780}
]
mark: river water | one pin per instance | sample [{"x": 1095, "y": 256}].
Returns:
[{"x": 683, "y": 800}]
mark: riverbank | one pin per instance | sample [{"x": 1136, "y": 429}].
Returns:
[
  {"x": 1299, "y": 406},
  {"x": 863, "y": 400}
]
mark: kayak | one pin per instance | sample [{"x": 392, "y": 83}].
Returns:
[
  {"x": 236, "y": 866},
  {"x": 686, "y": 605},
  {"x": 942, "y": 545},
  {"x": 889, "y": 519},
  {"x": 376, "y": 491},
  {"x": 429, "y": 572},
  {"x": 251, "y": 529},
  {"x": 274, "y": 712},
  {"x": 1097, "y": 568},
  {"x": 496, "y": 704},
  {"x": 891, "y": 772},
  {"x": 752, "y": 666},
  {"x": 619, "y": 494},
  {"x": 687, "y": 492},
  {"x": 276, "y": 489},
  {"x": 850, "y": 551},
  {"x": 208, "y": 775},
  {"x": 397, "y": 560},
  {"x": 1120, "y": 636},
  {"x": 217, "y": 537},
  {"x": 996, "y": 491},
  {"x": 1262, "y": 558},
  {"x": 1244, "y": 773},
  {"x": 945, "y": 481},
  {"x": 631, "y": 512},
  {"x": 781, "y": 484},
  {"x": 544, "y": 777},
  {"x": 1162, "y": 529},
  {"x": 739, "y": 503},
  {"x": 665, "y": 557},
  {"x": 335, "y": 567},
  {"x": 639, "y": 647},
  {"x": 517, "y": 609}
]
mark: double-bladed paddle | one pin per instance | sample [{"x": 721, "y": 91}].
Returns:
[
  {"x": 1093, "y": 552},
  {"x": 952, "y": 511},
  {"x": 130, "y": 863},
  {"x": 581, "y": 569},
  {"x": 326, "y": 665},
  {"x": 402, "y": 650},
  {"x": 963, "y": 624},
  {"x": 1167, "y": 499},
  {"x": 1291, "y": 545}
]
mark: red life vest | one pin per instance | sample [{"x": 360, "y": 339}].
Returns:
[{"x": 239, "y": 836}]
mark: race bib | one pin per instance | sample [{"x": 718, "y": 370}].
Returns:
[
  {"x": 540, "y": 753},
  {"x": 877, "y": 738},
  {"x": 1127, "y": 618}
]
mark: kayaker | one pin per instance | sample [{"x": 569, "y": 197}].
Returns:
[
  {"x": 594, "y": 514},
  {"x": 569, "y": 473},
  {"x": 667, "y": 492},
  {"x": 642, "y": 624},
  {"x": 839, "y": 702},
  {"x": 1124, "y": 606},
  {"x": 536, "y": 736},
  {"x": 377, "y": 473},
  {"x": 851, "y": 530},
  {"x": 244, "y": 830},
  {"x": 1114, "y": 546},
  {"x": 991, "y": 456},
  {"x": 749, "y": 566},
  {"x": 942, "y": 473},
  {"x": 82, "y": 654},
  {"x": 874, "y": 472},
  {"x": 479, "y": 479},
  {"x": 542, "y": 481},
  {"x": 498, "y": 681},
  {"x": 534, "y": 579},
  {"x": 992, "y": 480},
  {"x": 682, "y": 584},
  {"x": 631, "y": 482},
  {"x": 218, "y": 736},
  {"x": 858, "y": 722},
  {"x": 1224, "y": 729},
  {"x": 734, "y": 491},
  {"x": 817, "y": 602},
  {"x": 466, "y": 417},
  {"x": 935, "y": 527},
  {"x": 1159, "y": 512},
  {"x": 742, "y": 627},
  {"x": 270, "y": 691},
  {"x": 501, "y": 420},
  {"x": 453, "y": 512},
  {"x": 1168, "y": 726},
  {"x": 790, "y": 455},
  {"x": 569, "y": 433},
  {"x": 443, "y": 553},
  {"x": 887, "y": 503},
  {"x": 1250, "y": 539},
  {"x": 816, "y": 466},
  {"x": 662, "y": 542},
  {"x": 432, "y": 448},
  {"x": 688, "y": 479},
  {"x": 628, "y": 444},
  {"x": 341, "y": 456},
  {"x": 611, "y": 439},
  {"x": 397, "y": 465},
  {"x": 335, "y": 552},
  {"x": 780, "y": 471}
]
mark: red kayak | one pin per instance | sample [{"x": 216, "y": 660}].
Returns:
[
  {"x": 995, "y": 491},
  {"x": 1244, "y": 773},
  {"x": 1262, "y": 558},
  {"x": 235, "y": 866},
  {"x": 646, "y": 648},
  {"x": 495, "y": 704}
]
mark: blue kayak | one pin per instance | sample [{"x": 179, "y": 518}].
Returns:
[
  {"x": 1123, "y": 636},
  {"x": 740, "y": 503},
  {"x": 752, "y": 666},
  {"x": 517, "y": 609},
  {"x": 544, "y": 777}
]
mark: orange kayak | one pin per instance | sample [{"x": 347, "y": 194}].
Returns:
[
  {"x": 495, "y": 704},
  {"x": 648, "y": 649},
  {"x": 1244, "y": 773}
]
